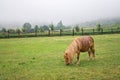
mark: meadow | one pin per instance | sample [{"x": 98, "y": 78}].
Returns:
[{"x": 41, "y": 58}]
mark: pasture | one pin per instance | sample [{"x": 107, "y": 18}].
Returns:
[{"x": 42, "y": 59}]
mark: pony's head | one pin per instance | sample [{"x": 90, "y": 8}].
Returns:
[{"x": 67, "y": 58}]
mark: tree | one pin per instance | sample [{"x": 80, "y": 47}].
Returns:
[
  {"x": 60, "y": 25},
  {"x": 41, "y": 29},
  {"x": 18, "y": 31},
  {"x": 4, "y": 30},
  {"x": 27, "y": 27},
  {"x": 45, "y": 27},
  {"x": 23, "y": 30},
  {"x": 11, "y": 30},
  {"x": 77, "y": 28}
]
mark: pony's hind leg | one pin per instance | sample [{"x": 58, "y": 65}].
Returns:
[
  {"x": 93, "y": 53},
  {"x": 78, "y": 58}
]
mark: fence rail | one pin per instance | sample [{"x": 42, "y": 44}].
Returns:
[{"x": 65, "y": 32}]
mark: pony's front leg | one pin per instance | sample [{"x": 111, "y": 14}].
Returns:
[{"x": 78, "y": 58}]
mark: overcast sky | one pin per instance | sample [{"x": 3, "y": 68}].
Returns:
[{"x": 47, "y": 11}]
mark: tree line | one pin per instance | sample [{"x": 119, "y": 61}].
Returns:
[
  {"x": 58, "y": 30},
  {"x": 27, "y": 28}
]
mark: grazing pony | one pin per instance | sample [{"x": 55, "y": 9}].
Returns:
[{"x": 80, "y": 44}]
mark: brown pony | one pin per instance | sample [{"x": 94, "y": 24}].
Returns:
[{"x": 81, "y": 44}]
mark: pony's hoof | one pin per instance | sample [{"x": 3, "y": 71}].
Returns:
[
  {"x": 93, "y": 58},
  {"x": 89, "y": 59}
]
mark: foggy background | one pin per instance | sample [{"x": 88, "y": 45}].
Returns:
[{"x": 52, "y": 11}]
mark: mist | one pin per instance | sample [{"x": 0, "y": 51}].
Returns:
[{"x": 52, "y": 11}]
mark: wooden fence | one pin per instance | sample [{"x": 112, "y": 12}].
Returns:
[{"x": 65, "y": 32}]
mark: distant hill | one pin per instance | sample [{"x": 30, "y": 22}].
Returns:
[
  {"x": 107, "y": 21},
  {"x": 104, "y": 22}
]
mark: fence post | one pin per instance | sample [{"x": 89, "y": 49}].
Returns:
[
  {"x": 82, "y": 30},
  {"x": 111, "y": 30},
  {"x": 93, "y": 31},
  {"x": 102, "y": 30},
  {"x": 60, "y": 32},
  {"x": 8, "y": 33},
  {"x": 73, "y": 32},
  {"x": 49, "y": 32},
  {"x": 35, "y": 33},
  {"x": 18, "y": 33},
  {"x": 118, "y": 29}
]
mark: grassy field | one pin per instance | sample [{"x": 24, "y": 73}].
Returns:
[{"x": 42, "y": 59}]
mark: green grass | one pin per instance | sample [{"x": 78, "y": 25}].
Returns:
[{"x": 42, "y": 59}]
